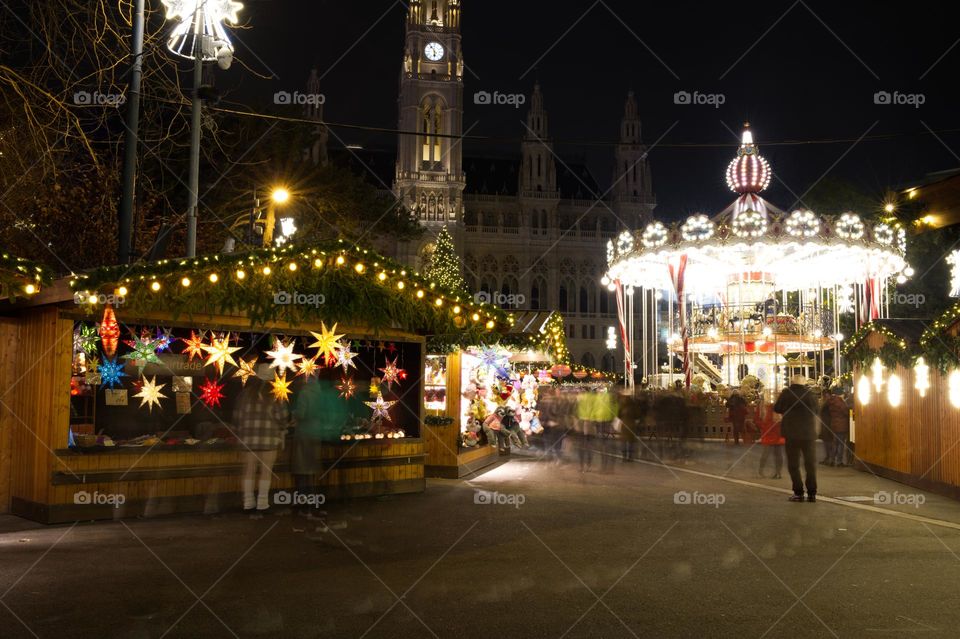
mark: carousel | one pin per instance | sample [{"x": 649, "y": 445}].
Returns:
[{"x": 754, "y": 285}]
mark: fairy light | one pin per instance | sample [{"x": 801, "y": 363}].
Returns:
[
  {"x": 93, "y": 299},
  {"x": 267, "y": 270},
  {"x": 318, "y": 263},
  {"x": 475, "y": 317},
  {"x": 214, "y": 278},
  {"x": 922, "y": 372},
  {"x": 292, "y": 266},
  {"x": 155, "y": 286},
  {"x": 359, "y": 267},
  {"x": 382, "y": 277},
  {"x": 185, "y": 282},
  {"x": 241, "y": 274},
  {"x": 456, "y": 310},
  {"x": 883, "y": 234},
  {"x": 438, "y": 302},
  {"x": 491, "y": 324},
  {"x": 420, "y": 295},
  {"x": 625, "y": 242},
  {"x": 340, "y": 260},
  {"x": 122, "y": 291}
]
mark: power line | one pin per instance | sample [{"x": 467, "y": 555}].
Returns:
[{"x": 569, "y": 141}]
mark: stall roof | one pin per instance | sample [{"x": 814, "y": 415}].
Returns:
[
  {"x": 530, "y": 322},
  {"x": 910, "y": 330}
]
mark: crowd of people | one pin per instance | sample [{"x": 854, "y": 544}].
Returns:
[{"x": 657, "y": 424}]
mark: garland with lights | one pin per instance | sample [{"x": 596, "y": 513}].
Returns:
[
  {"x": 21, "y": 277},
  {"x": 333, "y": 282},
  {"x": 894, "y": 351},
  {"x": 942, "y": 351},
  {"x": 552, "y": 340},
  {"x": 445, "y": 265}
]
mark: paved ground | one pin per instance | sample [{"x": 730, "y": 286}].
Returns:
[{"x": 584, "y": 555}]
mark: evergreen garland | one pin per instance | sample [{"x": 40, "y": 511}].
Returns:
[{"x": 17, "y": 273}]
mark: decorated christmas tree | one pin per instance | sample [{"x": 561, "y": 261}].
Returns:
[{"x": 445, "y": 265}]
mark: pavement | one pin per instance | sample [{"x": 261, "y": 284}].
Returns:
[{"x": 695, "y": 547}]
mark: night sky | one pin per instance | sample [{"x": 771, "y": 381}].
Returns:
[{"x": 811, "y": 74}]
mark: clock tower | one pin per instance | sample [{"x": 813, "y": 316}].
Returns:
[{"x": 429, "y": 178}]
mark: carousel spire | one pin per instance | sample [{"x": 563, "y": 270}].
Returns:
[{"x": 749, "y": 172}]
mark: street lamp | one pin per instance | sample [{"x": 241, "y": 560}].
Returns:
[
  {"x": 200, "y": 36},
  {"x": 279, "y": 196}
]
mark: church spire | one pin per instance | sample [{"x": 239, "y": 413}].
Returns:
[
  {"x": 538, "y": 172},
  {"x": 537, "y": 125}
]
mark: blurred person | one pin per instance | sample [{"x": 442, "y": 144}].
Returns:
[
  {"x": 262, "y": 423},
  {"x": 632, "y": 413},
  {"x": 737, "y": 414},
  {"x": 550, "y": 406},
  {"x": 798, "y": 404},
  {"x": 605, "y": 417},
  {"x": 320, "y": 416},
  {"x": 586, "y": 428},
  {"x": 836, "y": 427},
  {"x": 771, "y": 440}
]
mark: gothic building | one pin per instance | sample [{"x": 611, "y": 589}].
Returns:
[{"x": 532, "y": 230}]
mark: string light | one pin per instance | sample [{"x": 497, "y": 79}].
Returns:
[
  {"x": 185, "y": 282},
  {"x": 359, "y": 267},
  {"x": 419, "y": 294},
  {"x": 401, "y": 285},
  {"x": 340, "y": 260},
  {"x": 155, "y": 286},
  {"x": 267, "y": 270},
  {"x": 122, "y": 291},
  {"x": 213, "y": 278},
  {"x": 697, "y": 228},
  {"x": 241, "y": 274},
  {"x": 382, "y": 276},
  {"x": 93, "y": 299},
  {"x": 850, "y": 227},
  {"x": 292, "y": 266},
  {"x": 803, "y": 224},
  {"x": 318, "y": 263}
]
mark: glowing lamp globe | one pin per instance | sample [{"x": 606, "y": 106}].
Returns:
[
  {"x": 749, "y": 172},
  {"x": 200, "y": 31}
]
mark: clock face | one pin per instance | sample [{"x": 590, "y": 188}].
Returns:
[{"x": 434, "y": 51}]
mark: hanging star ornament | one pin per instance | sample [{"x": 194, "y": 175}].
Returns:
[
  {"x": 283, "y": 356},
  {"x": 345, "y": 357},
  {"x": 347, "y": 388},
  {"x": 85, "y": 339},
  {"x": 492, "y": 357},
  {"x": 211, "y": 393},
  {"x": 110, "y": 372},
  {"x": 391, "y": 373},
  {"x": 164, "y": 339},
  {"x": 327, "y": 343},
  {"x": 380, "y": 407},
  {"x": 194, "y": 345},
  {"x": 143, "y": 353},
  {"x": 280, "y": 387},
  {"x": 150, "y": 393},
  {"x": 246, "y": 370},
  {"x": 308, "y": 367},
  {"x": 219, "y": 352}
]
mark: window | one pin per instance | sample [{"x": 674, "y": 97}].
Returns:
[
  {"x": 593, "y": 332},
  {"x": 584, "y": 300},
  {"x": 604, "y": 302},
  {"x": 583, "y": 332},
  {"x": 607, "y": 364},
  {"x": 538, "y": 294},
  {"x": 588, "y": 360},
  {"x": 563, "y": 297},
  {"x": 431, "y": 125}
]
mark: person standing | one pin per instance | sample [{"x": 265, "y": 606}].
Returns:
[
  {"x": 737, "y": 413},
  {"x": 320, "y": 417},
  {"x": 836, "y": 422},
  {"x": 262, "y": 424},
  {"x": 772, "y": 441},
  {"x": 633, "y": 413},
  {"x": 799, "y": 406}
]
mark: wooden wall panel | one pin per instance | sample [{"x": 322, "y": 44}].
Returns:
[{"x": 9, "y": 331}]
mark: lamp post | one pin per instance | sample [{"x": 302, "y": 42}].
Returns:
[
  {"x": 199, "y": 36},
  {"x": 131, "y": 137},
  {"x": 278, "y": 197}
]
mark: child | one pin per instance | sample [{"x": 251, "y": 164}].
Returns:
[{"x": 770, "y": 438}]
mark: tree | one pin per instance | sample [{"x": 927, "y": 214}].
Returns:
[{"x": 444, "y": 266}]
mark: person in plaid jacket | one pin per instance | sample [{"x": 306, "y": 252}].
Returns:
[{"x": 262, "y": 424}]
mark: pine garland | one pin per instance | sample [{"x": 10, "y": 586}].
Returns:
[{"x": 21, "y": 277}]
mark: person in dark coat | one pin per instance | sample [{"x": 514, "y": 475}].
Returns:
[
  {"x": 737, "y": 408},
  {"x": 836, "y": 427},
  {"x": 799, "y": 405}
]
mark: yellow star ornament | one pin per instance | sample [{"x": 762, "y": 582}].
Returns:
[
  {"x": 246, "y": 370},
  {"x": 281, "y": 387},
  {"x": 327, "y": 343},
  {"x": 219, "y": 352}
]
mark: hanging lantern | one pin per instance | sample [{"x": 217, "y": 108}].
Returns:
[
  {"x": 560, "y": 370},
  {"x": 109, "y": 331},
  {"x": 922, "y": 372}
]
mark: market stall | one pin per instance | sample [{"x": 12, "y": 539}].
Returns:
[
  {"x": 489, "y": 392},
  {"x": 906, "y": 380},
  {"x": 128, "y": 378}
]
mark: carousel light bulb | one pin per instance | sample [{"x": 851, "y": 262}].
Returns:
[
  {"x": 894, "y": 390},
  {"x": 863, "y": 390},
  {"x": 901, "y": 279},
  {"x": 611, "y": 287},
  {"x": 909, "y": 272},
  {"x": 767, "y": 331},
  {"x": 604, "y": 280},
  {"x": 712, "y": 332},
  {"x": 922, "y": 372}
]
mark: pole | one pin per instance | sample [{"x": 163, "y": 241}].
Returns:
[
  {"x": 194, "y": 185},
  {"x": 131, "y": 138}
]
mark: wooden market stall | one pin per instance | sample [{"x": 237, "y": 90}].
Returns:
[
  {"x": 535, "y": 338},
  {"x": 174, "y": 450},
  {"x": 907, "y": 401}
]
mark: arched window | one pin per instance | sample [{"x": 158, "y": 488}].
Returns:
[
  {"x": 584, "y": 300},
  {"x": 604, "y": 301},
  {"x": 509, "y": 290},
  {"x": 588, "y": 360},
  {"x": 538, "y": 294},
  {"x": 431, "y": 125},
  {"x": 607, "y": 364}
]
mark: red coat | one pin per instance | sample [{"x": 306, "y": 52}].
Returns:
[{"x": 770, "y": 428}]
